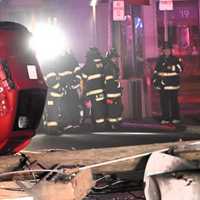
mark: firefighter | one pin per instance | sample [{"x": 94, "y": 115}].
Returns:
[
  {"x": 166, "y": 79},
  {"x": 52, "y": 109},
  {"x": 113, "y": 89},
  {"x": 93, "y": 79},
  {"x": 69, "y": 79}
]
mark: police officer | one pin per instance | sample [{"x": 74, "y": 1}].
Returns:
[
  {"x": 93, "y": 79},
  {"x": 113, "y": 89},
  {"x": 69, "y": 80},
  {"x": 166, "y": 79}
]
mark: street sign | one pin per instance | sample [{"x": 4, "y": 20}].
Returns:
[
  {"x": 118, "y": 10},
  {"x": 166, "y": 5}
]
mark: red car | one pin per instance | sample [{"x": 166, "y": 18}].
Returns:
[{"x": 22, "y": 89}]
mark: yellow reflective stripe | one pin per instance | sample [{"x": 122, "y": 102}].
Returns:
[
  {"x": 56, "y": 86},
  {"x": 119, "y": 118},
  {"x": 52, "y": 74},
  {"x": 113, "y": 119},
  {"x": 100, "y": 99},
  {"x": 77, "y": 69},
  {"x": 95, "y": 76},
  {"x": 109, "y": 77},
  {"x": 171, "y": 87},
  {"x": 65, "y": 73},
  {"x": 113, "y": 95},
  {"x": 78, "y": 76},
  {"x": 54, "y": 123},
  {"x": 165, "y": 74},
  {"x": 97, "y": 60},
  {"x": 94, "y": 92},
  {"x": 119, "y": 84},
  {"x": 55, "y": 94},
  {"x": 98, "y": 121},
  {"x": 75, "y": 86},
  {"x": 84, "y": 75},
  {"x": 50, "y": 103},
  {"x": 99, "y": 65},
  {"x": 179, "y": 67}
]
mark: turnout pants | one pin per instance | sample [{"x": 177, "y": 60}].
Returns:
[
  {"x": 70, "y": 108},
  {"x": 98, "y": 110},
  {"x": 114, "y": 110},
  {"x": 52, "y": 114},
  {"x": 169, "y": 105}
]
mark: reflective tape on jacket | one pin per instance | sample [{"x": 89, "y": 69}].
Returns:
[
  {"x": 113, "y": 119},
  {"x": 93, "y": 92},
  {"x": 98, "y": 121},
  {"x": 179, "y": 67},
  {"x": 52, "y": 74},
  {"x": 78, "y": 76},
  {"x": 100, "y": 98},
  {"x": 52, "y": 124},
  {"x": 171, "y": 87},
  {"x": 167, "y": 74},
  {"x": 65, "y": 73},
  {"x": 77, "y": 69},
  {"x": 155, "y": 72},
  {"x": 115, "y": 95},
  {"x": 97, "y": 60},
  {"x": 109, "y": 77},
  {"x": 84, "y": 75},
  {"x": 119, "y": 118},
  {"x": 94, "y": 76},
  {"x": 75, "y": 86},
  {"x": 55, "y": 94},
  {"x": 50, "y": 103},
  {"x": 56, "y": 86}
]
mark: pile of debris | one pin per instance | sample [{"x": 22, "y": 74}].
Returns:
[{"x": 110, "y": 173}]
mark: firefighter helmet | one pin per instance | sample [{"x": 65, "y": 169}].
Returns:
[
  {"x": 166, "y": 45},
  {"x": 112, "y": 53},
  {"x": 94, "y": 54}
]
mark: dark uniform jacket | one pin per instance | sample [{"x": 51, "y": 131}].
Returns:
[
  {"x": 166, "y": 73},
  {"x": 94, "y": 79},
  {"x": 67, "y": 70},
  {"x": 112, "y": 85}
]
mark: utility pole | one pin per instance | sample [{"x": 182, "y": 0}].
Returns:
[
  {"x": 165, "y": 5},
  {"x": 93, "y": 4},
  {"x": 110, "y": 23},
  {"x": 165, "y": 26}
]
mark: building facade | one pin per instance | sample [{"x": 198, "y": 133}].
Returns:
[{"x": 139, "y": 37}]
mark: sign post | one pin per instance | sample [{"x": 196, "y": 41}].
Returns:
[
  {"x": 165, "y": 5},
  {"x": 118, "y": 10}
]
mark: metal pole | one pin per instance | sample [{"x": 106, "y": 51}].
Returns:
[
  {"x": 94, "y": 25},
  {"x": 165, "y": 26},
  {"x": 110, "y": 21}
]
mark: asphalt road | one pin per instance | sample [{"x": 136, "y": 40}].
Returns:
[{"x": 86, "y": 139}]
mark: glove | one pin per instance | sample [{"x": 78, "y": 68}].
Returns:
[
  {"x": 88, "y": 104},
  {"x": 109, "y": 101}
]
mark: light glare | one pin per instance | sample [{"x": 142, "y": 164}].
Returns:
[
  {"x": 48, "y": 41},
  {"x": 93, "y": 3}
]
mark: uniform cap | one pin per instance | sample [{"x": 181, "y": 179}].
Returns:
[{"x": 94, "y": 55}]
